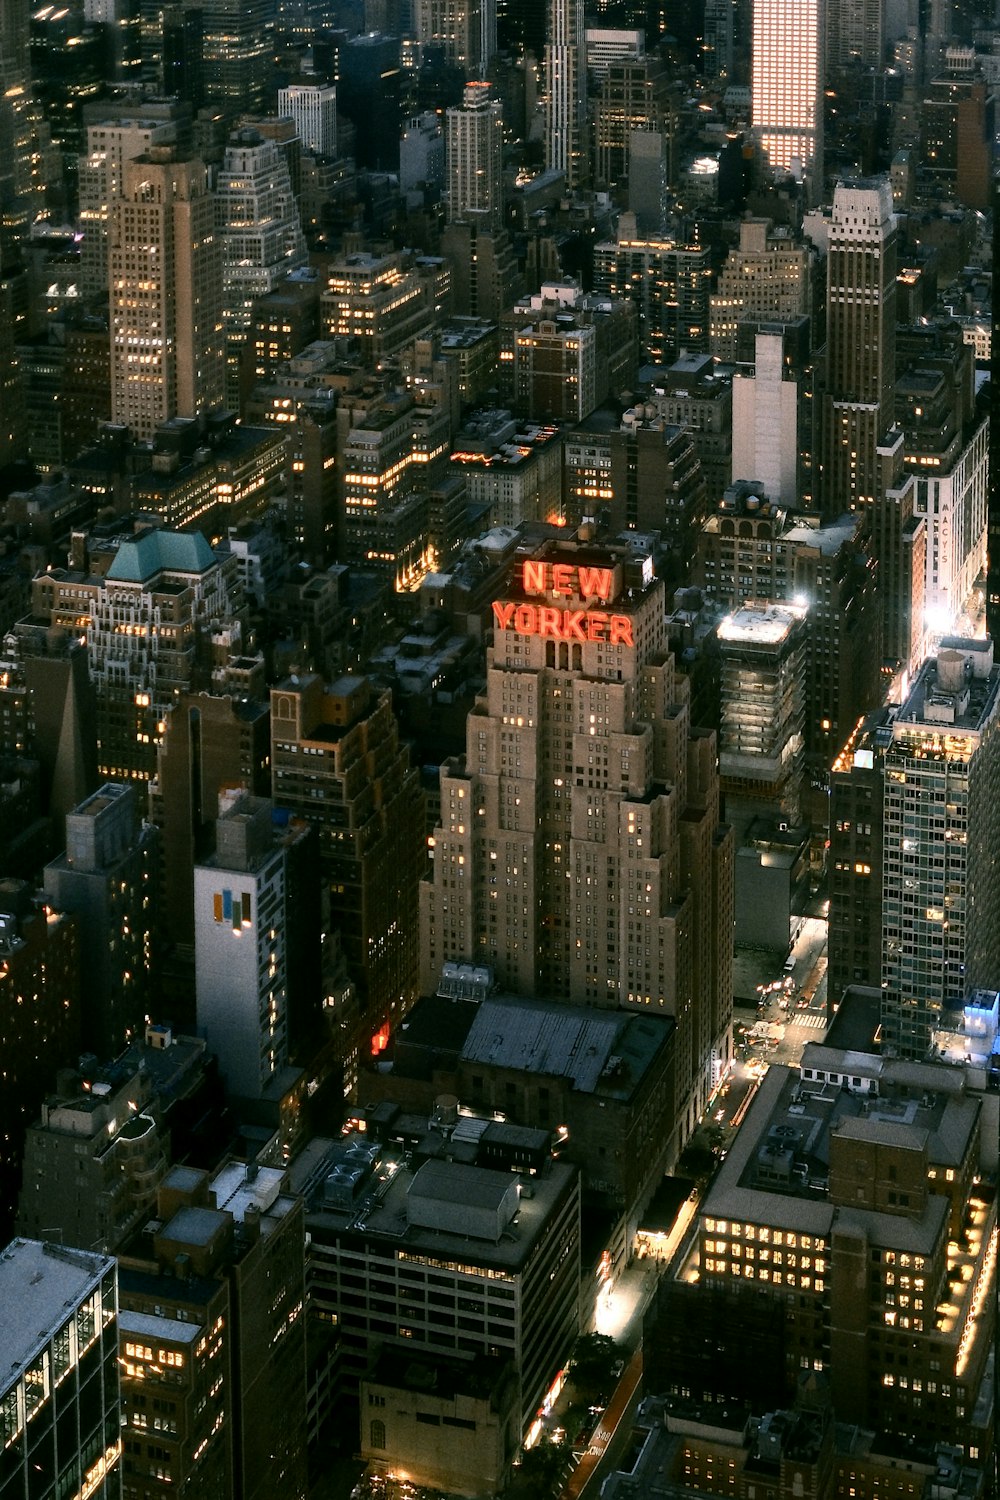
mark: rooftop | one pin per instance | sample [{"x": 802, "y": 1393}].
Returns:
[
  {"x": 438, "y": 1222},
  {"x": 798, "y": 1111},
  {"x": 148, "y": 1326},
  {"x": 40, "y": 1287},
  {"x": 161, "y": 552},
  {"x": 763, "y": 626}
]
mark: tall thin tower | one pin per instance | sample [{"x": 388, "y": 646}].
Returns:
[
  {"x": 993, "y": 502},
  {"x": 786, "y": 86},
  {"x": 475, "y": 158},
  {"x": 566, "y": 92},
  {"x": 165, "y": 273},
  {"x": 861, "y": 341}
]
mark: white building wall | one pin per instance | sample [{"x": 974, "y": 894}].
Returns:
[
  {"x": 955, "y": 508},
  {"x": 240, "y": 971},
  {"x": 765, "y": 424}
]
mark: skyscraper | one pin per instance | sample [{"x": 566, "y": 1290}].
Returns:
[
  {"x": 786, "y": 86},
  {"x": 106, "y": 877},
  {"x": 313, "y": 107},
  {"x": 993, "y": 499},
  {"x": 580, "y": 852},
  {"x": 337, "y": 763},
  {"x": 59, "y": 1406},
  {"x": 241, "y": 946},
  {"x": 260, "y": 234},
  {"x": 855, "y": 33},
  {"x": 566, "y": 92},
  {"x": 464, "y": 30},
  {"x": 861, "y": 341},
  {"x": 117, "y": 135},
  {"x": 941, "y": 887},
  {"x": 237, "y": 55},
  {"x": 165, "y": 271},
  {"x": 475, "y": 158}
]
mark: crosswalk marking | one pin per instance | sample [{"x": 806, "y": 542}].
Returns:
[{"x": 817, "y": 1023}]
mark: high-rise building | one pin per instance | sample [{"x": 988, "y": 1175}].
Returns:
[
  {"x": 475, "y": 158},
  {"x": 512, "y": 471},
  {"x": 422, "y": 154},
  {"x": 846, "y": 1240},
  {"x": 40, "y": 1003},
  {"x": 210, "y": 742},
  {"x": 237, "y": 50},
  {"x": 720, "y": 38},
  {"x": 93, "y": 1161},
  {"x": 336, "y": 762},
  {"x": 245, "y": 929},
  {"x": 59, "y": 1401},
  {"x": 260, "y": 236},
  {"x": 855, "y": 34},
  {"x": 786, "y": 86},
  {"x": 767, "y": 278},
  {"x": 861, "y": 341},
  {"x": 642, "y": 474},
  {"x": 107, "y": 878},
  {"x": 165, "y": 589},
  {"x": 563, "y": 351},
  {"x": 763, "y": 708},
  {"x": 668, "y": 282},
  {"x": 941, "y": 890},
  {"x": 166, "y": 309},
  {"x": 507, "y": 1288},
  {"x": 392, "y": 450},
  {"x": 634, "y": 96},
  {"x": 464, "y": 32},
  {"x": 313, "y": 107},
  {"x": 768, "y": 418},
  {"x": 950, "y": 464},
  {"x": 116, "y": 136},
  {"x": 377, "y": 301},
  {"x": 579, "y": 851},
  {"x": 751, "y": 549},
  {"x": 25, "y": 153},
  {"x": 566, "y": 92},
  {"x": 855, "y": 858},
  {"x": 957, "y": 117},
  {"x": 212, "y": 1292},
  {"x": 993, "y": 495}
]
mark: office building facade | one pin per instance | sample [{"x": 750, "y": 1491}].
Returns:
[
  {"x": 940, "y": 892},
  {"x": 566, "y": 92},
  {"x": 107, "y": 877},
  {"x": 475, "y": 158},
  {"x": 60, "y": 1414},
  {"x": 861, "y": 335},
  {"x": 846, "y": 1240},
  {"x": 580, "y": 853},
  {"x": 313, "y": 107},
  {"x": 787, "y": 79},
  {"x": 166, "y": 342},
  {"x": 336, "y": 762}
]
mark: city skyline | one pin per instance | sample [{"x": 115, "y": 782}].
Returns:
[{"x": 499, "y": 975}]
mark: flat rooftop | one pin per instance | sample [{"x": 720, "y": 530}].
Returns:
[
  {"x": 148, "y": 1326},
  {"x": 800, "y": 1114},
  {"x": 379, "y": 1213},
  {"x": 40, "y": 1286}
]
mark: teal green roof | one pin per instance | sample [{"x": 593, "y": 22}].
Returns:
[{"x": 159, "y": 552}]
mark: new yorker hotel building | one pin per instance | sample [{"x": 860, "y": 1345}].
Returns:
[{"x": 580, "y": 853}]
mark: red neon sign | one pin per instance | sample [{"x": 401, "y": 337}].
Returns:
[
  {"x": 564, "y": 624},
  {"x": 567, "y": 579}
]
